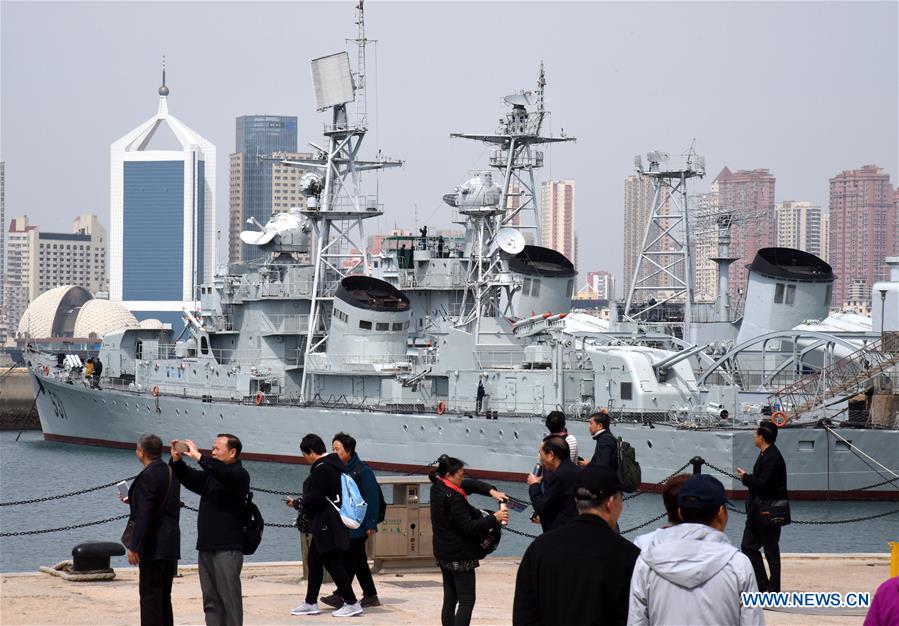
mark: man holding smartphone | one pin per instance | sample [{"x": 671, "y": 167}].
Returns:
[
  {"x": 154, "y": 544},
  {"x": 222, "y": 484}
]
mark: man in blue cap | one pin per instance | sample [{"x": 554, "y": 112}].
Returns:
[
  {"x": 580, "y": 573},
  {"x": 691, "y": 573}
]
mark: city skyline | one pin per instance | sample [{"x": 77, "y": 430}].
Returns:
[{"x": 625, "y": 107}]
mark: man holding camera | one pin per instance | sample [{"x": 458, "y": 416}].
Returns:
[{"x": 222, "y": 484}]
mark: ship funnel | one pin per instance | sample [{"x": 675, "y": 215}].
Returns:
[{"x": 786, "y": 287}]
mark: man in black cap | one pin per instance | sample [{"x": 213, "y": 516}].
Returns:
[
  {"x": 691, "y": 573},
  {"x": 580, "y": 573},
  {"x": 768, "y": 481}
]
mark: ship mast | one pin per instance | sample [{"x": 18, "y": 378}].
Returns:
[
  {"x": 336, "y": 206},
  {"x": 516, "y": 157}
]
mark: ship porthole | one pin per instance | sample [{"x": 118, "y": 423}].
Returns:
[
  {"x": 467, "y": 431},
  {"x": 649, "y": 443},
  {"x": 177, "y": 412},
  {"x": 501, "y": 432},
  {"x": 221, "y": 416},
  {"x": 440, "y": 429},
  {"x": 516, "y": 434},
  {"x": 422, "y": 427},
  {"x": 405, "y": 427}
]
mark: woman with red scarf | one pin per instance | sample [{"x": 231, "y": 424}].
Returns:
[{"x": 458, "y": 529}]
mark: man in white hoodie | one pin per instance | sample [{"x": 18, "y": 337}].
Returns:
[{"x": 691, "y": 573}]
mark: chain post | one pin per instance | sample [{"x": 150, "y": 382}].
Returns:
[{"x": 697, "y": 462}]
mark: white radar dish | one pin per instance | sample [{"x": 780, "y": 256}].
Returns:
[
  {"x": 519, "y": 99},
  {"x": 257, "y": 237},
  {"x": 510, "y": 240}
]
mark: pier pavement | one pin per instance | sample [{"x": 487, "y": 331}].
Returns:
[{"x": 272, "y": 589}]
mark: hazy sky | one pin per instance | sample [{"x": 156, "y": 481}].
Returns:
[{"x": 806, "y": 89}]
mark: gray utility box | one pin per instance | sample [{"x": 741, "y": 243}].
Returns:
[{"x": 404, "y": 538}]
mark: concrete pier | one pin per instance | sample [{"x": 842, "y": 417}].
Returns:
[{"x": 272, "y": 589}]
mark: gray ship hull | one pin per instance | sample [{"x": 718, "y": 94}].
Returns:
[{"x": 819, "y": 466}]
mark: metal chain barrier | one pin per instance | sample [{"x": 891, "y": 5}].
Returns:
[
  {"x": 644, "y": 524},
  {"x": 660, "y": 483},
  {"x": 66, "y": 495},
  {"x": 63, "y": 528}
]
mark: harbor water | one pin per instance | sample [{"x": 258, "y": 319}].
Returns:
[{"x": 33, "y": 468}]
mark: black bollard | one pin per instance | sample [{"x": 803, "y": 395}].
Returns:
[
  {"x": 697, "y": 462},
  {"x": 94, "y": 556}
]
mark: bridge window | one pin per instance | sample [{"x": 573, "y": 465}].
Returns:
[
  {"x": 779, "y": 293},
  {"x": 626, "y": 391},
  {"x": 204, "y": 345},
  {"x": 382, "y": 326},
  {"x": 791, "y": 294},
  {"x": 364, "y": 325},
  {"x": 806, "y": 446},
  {"x": 526, "y": 287},
  {"x": 535, "y": 287},
  {"x": 398, "y": 325}
]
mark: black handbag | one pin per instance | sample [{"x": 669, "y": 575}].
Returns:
[
  {"x": 490, "y": 541},
  {"x": 773, "y": 513},
  {"x": 128, "y": 533}
]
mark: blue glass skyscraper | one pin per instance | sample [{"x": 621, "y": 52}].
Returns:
[{"x": 257, "y": 136}]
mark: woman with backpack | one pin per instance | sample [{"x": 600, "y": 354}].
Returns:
[
  {"x": 330, "y": 538},
  {"x": 459, "y": 528}
]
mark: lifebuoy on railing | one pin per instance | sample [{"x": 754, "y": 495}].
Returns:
[
  {"x": 46, "y": 371},
  {"x": 779, "y": 419},
  {"x": 260, "y": 398},
  {"x": 441, "y": 407},
  {"x": 155, "y": 391}
]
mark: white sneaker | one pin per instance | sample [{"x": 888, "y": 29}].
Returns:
[
  {"x": 348, "y": 610},
  {"x": 306, "y": 609}
]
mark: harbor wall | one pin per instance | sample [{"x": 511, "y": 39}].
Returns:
[{"x": 17, "y": 408}]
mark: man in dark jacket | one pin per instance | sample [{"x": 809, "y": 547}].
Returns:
[
  {"x": 155, "y": 546},
  {"x": 222, "y": 484},
  {"x": 330, "y": 538},
  {"x": 768, "y": 481},
  {"x": 606, "y": 452},
  {"x": 579, "y": 574},
  {"x": 356, "y": 559},
  {"x": 552, "y": 495}
]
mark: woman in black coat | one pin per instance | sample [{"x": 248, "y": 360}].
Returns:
[{"x": 458, "y": 529}]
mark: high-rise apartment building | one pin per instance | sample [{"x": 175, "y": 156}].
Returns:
[
  {"x": 557, "y": 217},
  {"x": 602, "y": 284},
  {"x": 258, "y": 138},
  {"x": 748, "y": 195},
  {"x": 39, "y": 261},
  {"x": 2, "y": 251},
  {"x": 799, "y": 226},
  {"x": 863, "y": 225},
  {"x": 703, "y": 210},
  {"x": 825, "y": 238},
  {"x": 162, "y": 231}
]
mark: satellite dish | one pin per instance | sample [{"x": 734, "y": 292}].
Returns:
[
  {"x": 257, "y": 237},
  {"x": 519, "y": 99},
  {"x": 510, "y": 241}
]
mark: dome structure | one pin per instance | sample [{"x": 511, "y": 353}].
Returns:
[
  {"x": 98, "y": 317},
  {"x": 71, "y": 311},
  {"x": 53, "y": 312}
]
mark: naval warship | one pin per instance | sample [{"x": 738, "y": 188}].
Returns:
[{"x": 319, "y": 335}]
